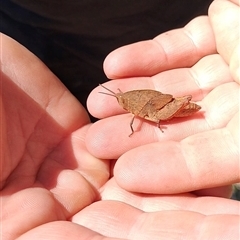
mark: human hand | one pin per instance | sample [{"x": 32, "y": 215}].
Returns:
[
  {"x": 204, "y": 149},
  {"x": 47, "y": 174},
  {"x": 199, "y": 152},
  {"x": 51, "y": 186},
  {"x": 45, "y": 201}
]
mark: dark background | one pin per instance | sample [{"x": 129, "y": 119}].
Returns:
[{"x": 73, "y": 37}]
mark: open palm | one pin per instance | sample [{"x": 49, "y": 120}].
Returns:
[
  {"x": 53, "y": 188},
  {"x": 197, "y": 152}
]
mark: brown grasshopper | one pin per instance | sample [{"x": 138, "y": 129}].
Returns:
[{"x": 153, "y": 105}]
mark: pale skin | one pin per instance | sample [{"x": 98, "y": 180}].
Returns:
[{"x": 53, "y": 176}]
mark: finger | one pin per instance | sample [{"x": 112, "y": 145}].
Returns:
[
  {"x": 124, "y": 221},
  {"x": 221, "y": 191},
  {"x": 185, "y": 201},
  {"x": 198, "y": 81},
  {"x": 216, "y": 105},
  {"x": 111, "y": 134},
  {"x": 224, "y": 17},
  {"x": 63, "y": 230},
  {"x": 173, "y": 49},
  {"x": 109, "y": 138},
  {"x": 72, "y": 174},
  {"x": 200, "y": 161},
  {"x": 67, "y": 181},
  {"x": 36, "y": 203}
]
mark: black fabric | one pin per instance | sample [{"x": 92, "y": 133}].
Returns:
[{"x": 73, "y": 37}]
